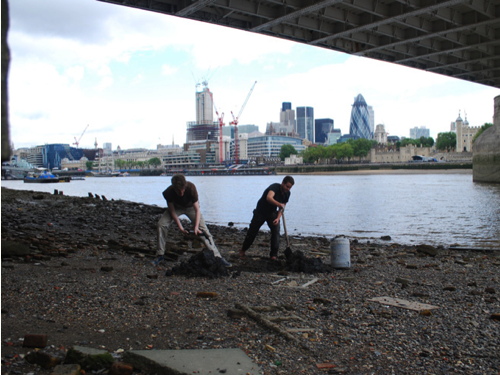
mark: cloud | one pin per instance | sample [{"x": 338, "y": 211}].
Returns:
[{"x": 131, "y": 75}]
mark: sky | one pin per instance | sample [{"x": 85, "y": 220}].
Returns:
[{"x": 102, "y": 73}]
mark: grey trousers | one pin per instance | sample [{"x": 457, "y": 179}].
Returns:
[{"x": 166, "y": 221}]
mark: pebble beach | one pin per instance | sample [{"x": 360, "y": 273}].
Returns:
[{"x": 78, "y": 271}]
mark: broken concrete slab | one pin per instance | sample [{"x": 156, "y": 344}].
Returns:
[
  {"x": 192, "y": 361},
  {"x": 398, "y": 302}
]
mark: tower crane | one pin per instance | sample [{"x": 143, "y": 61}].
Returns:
[
  {"x": 235, "y": 123},
  {"x": 221, "y": 124},
  {"x": 77, "y": 141}
]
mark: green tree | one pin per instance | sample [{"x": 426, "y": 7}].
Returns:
[
  {"x": 120, "y": 163},
  {"x": 345, "y": 151},
  {"x": 156, "y": 162},
  {"x": 89, "y": 165},
  {"x": 446, "y": 141},
  {"x": 361, "y": 147},
  {"x": 480, "y": 131},
  {"x": 286, "y": 151}
]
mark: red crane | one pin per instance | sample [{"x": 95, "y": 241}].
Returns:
[
  {"x": 220, "y": 118},
  {"x": 235, "y": 123},
  {"x": 77, "y": 141}
]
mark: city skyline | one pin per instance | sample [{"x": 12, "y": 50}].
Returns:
[{"x": 131, "y": 76}]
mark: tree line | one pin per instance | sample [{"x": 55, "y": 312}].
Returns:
[{"x": 361, "y": 147}]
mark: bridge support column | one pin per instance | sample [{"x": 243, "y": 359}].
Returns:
[{"x": 486, "y": 156}]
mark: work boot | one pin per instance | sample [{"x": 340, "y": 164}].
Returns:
[
  {"x": 158, "y": 260},
  {"x": 225, "y": 263}
]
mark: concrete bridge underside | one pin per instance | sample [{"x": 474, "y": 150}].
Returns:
[{"x": 457, "y": 38}]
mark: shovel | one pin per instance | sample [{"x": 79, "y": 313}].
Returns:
[{"x": 288, "y": 250}]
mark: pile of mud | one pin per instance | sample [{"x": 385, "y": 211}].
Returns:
[{"x": 202, "y": 264}]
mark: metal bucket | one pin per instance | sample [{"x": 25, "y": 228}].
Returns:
[{"x": 340, "y": 253}]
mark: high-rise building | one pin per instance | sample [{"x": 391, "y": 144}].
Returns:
[
  {"x": 322, "y": 127},
  {"x": 287, "y": 125},
  {"x": 204, "y": 105},
  {"x": 418, "y": 132},
  {"x": 204, "y": 128},
  {"x": 360, "y": 119},
  {"x": 305, "y": 123}
]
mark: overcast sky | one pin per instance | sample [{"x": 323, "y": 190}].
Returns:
[{"x": 131, "y": 75}]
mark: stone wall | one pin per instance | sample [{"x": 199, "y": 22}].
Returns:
[{"x": 486, "y": 158}]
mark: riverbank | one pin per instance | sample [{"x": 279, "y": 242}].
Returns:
[{"x": 78, "y": 270}]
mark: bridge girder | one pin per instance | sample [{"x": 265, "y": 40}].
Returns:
[{"x": 456, "y": 38}]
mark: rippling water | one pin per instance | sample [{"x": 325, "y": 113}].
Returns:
[{"x": 438, "y": 209}]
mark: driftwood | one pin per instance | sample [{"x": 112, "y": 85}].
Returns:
[{"x": 265, "y": 322}]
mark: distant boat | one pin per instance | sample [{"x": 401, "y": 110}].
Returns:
[
  {"x": 45, "y": 178},
  {"x": 105, "y": 174}
]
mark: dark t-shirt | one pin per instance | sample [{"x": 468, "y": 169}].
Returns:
[
  {"x": 264, "y": 207},
  {"x": 187, "y": 200}
]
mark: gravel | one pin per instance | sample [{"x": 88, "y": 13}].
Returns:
[{"x": 79, "y": 271}]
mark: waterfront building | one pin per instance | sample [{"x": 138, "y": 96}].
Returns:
[
  {"x": 78, "y": 165},
  {"x": 269, "y": 146},
  {"x": 380, "y": 134},
  {"x": 322, "y": 127},
  {"x": 418, "y": 132},
  {"x": 401, "y": 155},
  {"x": 360, "y": 126},
  {"x": 305, "y": 123},
  {"x": 465, "y": 134},
  {"x": 294, "y": 160}
]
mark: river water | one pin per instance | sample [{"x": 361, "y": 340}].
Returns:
[{"x": 437, "y": 209}]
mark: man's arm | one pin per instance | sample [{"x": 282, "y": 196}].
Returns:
[
  {"x": 270, "y": 199},
  {"x": 196, "y": 206},
  {"x": 173, "y": 214}
]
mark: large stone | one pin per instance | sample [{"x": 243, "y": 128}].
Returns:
[{"x": 486, "y": 158}]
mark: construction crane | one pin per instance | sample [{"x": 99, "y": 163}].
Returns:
[
  {"x": 77, "y": 141},
  {"x": 221, "y": 124},
  {"x": 235, "y": 123},
  {"x": 220, "y": 118}
]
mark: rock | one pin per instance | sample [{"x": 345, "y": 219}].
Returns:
[
  {"x": 73, "y": 369},
  {"x": 120, "y": 368},
  {"x": 15, "y": 249},
  {"x": 88, "y": 358},
  {"x": 427, "y": 250},
  {"x": 43, "y": 359},
  {"x": 35, "y": 341}
]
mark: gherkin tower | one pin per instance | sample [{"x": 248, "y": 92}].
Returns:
[{"x": 360, "y": 119}]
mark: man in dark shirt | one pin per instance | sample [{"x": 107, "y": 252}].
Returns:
[
  {"x": 182, "y": 199},
  {"x": 269, "y": 209}
]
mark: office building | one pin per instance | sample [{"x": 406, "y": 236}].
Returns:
[
  {"x": 305, "y": 123},
  {"x": 322, "y": 127},
  {"x": 359, "y": 126},
  {"x": 418, "y": 132},
  {"x": 288, "y": 124},
  {"x": 269, "y": 146},
  {"x": 204, "y": 128}
]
